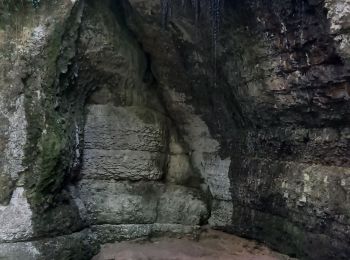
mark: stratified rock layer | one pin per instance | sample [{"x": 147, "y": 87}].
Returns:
[
  {"x": 89, "y": 144},
  {"x": 275, "y": 99},
  {"x": 124, "y": 143},
  {"x": 113, "y": 127}
]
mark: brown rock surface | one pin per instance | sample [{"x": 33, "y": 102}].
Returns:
[{"x": 212, "y": 245}]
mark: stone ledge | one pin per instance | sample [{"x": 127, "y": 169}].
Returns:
[
  {"x": 140, "y": 202},
  {"x": 84, "y": 244}
]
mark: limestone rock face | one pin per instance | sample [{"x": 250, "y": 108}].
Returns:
[
  {"x": 31, "y": 62},
  {"x": 128, "y": 140},
  {"x": 181, "y": 205},
  {"x": 141, "y": 203},
  {"x": 119, "y": 202},
  {"x": 274, "y": 125},
  {"x": 85, "y": 150},
  {"x": 137, "y": 128},
  {"x": 16, "y": 218},
  {"x": 113, "y": 127},
  {"x": 129, "y": 143},
  {"x": 124, "y": 143}
]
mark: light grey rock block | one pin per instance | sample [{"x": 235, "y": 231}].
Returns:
[
  {"x": 122, "y": 165},
  {"x": 15, "y": 218},
  {"x": 124, "y": 143},
  {"x": 181, "y": 205},
  {"x": 109, "y": 202},
  {"x": 119, "y": 202},
  {"x": 124, "y": 128}
]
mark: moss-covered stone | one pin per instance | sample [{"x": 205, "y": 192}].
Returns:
[
  {"x": 51, "y": 124},
  {"x": 52, "y": 165}
]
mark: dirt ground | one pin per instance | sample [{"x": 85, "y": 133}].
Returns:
[{"x": 212, "y": 245}]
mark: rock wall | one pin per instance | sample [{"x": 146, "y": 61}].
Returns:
[
  {"x": 36, "y": 151},
  {"x": 113, "y": 127},
  {"x": 96, "y": 158},
  {"x": 275, "y": 100},
  {"x": 127, "y": 134}
]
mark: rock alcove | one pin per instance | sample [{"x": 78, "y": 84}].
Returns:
[{"x": 116, "y": 128}]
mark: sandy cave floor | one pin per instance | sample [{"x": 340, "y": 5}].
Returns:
[{"x": 212, "y": 245}]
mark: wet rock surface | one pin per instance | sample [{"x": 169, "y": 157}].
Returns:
[
  {"x": 279, "y": 111},
  {"x": 98, "y": 145},
  {"x": 114, "y": 127}
]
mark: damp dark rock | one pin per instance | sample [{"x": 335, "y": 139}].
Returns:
[{"x": 134, "y": 119}]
